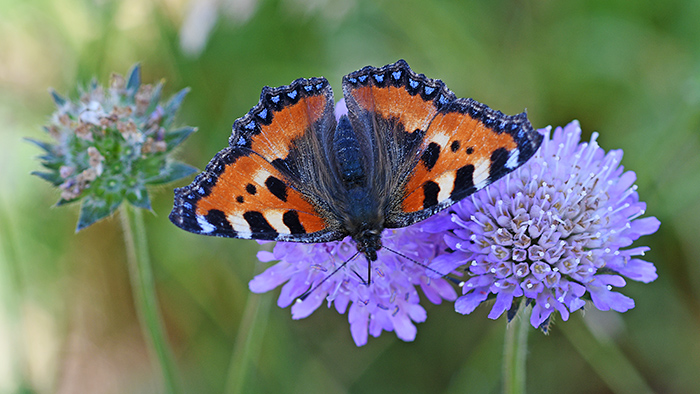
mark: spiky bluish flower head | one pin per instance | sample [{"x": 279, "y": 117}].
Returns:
[
  {"x": 557, "y": 232},
  {"x": 390, "y": 302},
  {"x": 110, "y": 143}
]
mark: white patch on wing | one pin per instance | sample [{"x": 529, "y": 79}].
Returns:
[
  {"x": 446, "y": 181},
  {"x": 240, "y": 225},
  {"x": 481, "y": 173},
  {"x": 441, "y": 139},
  {"x": 205, "y": 225},
  {"x": 261, "y": 176},
  {"x": 513, "y": 159},
  {"x": 274, "y": 217}
]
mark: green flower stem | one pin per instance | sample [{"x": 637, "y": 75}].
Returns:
[
  {"x": 248, "y": 340},
  {"x": 14, "y": 295},
  {"x": 515, "y": 352},
  {"x": 145, "y": 298}
]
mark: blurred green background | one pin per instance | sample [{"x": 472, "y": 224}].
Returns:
[{"x": 630, "y": 70}]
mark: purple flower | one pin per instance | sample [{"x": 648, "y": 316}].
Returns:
[
  {"x": 390, "y": 302},
  {"x": 555, "y": 231}
]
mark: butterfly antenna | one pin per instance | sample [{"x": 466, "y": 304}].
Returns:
[
  {"x": 451, "y": 279},
  {"x": 308, "y": 292},
  {"x": 362, "y": 280},
  {"x": 369, "y": 272}
]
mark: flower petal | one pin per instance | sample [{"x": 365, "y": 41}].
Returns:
[
  {"x": 359, "y": 319},
  {"x": 302, "y": 309},
  {"x": 467, "y": 303},
  {"x": 639, "y": 270}
]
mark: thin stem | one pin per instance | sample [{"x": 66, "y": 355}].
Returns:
[
  {"x": 515, "y": 352},
  {"x": 145, "y": 299},
  {"x": 248, "y": 341},
  {"x": 14, "y": 295}
]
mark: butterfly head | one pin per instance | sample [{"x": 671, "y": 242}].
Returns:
[{"x": 369, "y": 241}]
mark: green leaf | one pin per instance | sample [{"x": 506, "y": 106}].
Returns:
[
  {"x": 134, "y": 80},
  {"x": 93, "y": 210},
  {"x": 139, "y": 198},
  {"x": 51, "y": 161},
  {"x": 52, "y": 177},
  {"x": 173, "y": 171},
  {"x": 59, "y": 100},
  {"x": 155, "y": 98},
  {"x": 62, "y": 202},
  {"x": 173, "y": 105},
  {"x": 46, "y": 146},
  {"x": 175, "y": 137}
]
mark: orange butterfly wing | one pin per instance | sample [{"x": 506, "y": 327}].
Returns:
[
  {"x": 253, "y": 188},
  {"x": 438, "y": 148}
]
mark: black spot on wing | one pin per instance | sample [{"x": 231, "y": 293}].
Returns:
[
  {"x": 222, "y": 226},
  {"x": 430, "y": 194},
  {"x": 454, "y": 147},
  {"x": 276, "y": 187},
  {"x": 251, "y": 189},
  {"x": 499, "y": 158},
  {"x": 430, "y": 155},
  {"x": 464, "y": 183},
  {"x": 291, "y": 220},
  {"x": 287, "y": 166},
  {"x": 240, "y": 199},
  {"x": 186, "y": 198},
  {"x": 470, "y": 150},
  {"x": 525, "y": 136},
  {"x": 259, "y": 226}
]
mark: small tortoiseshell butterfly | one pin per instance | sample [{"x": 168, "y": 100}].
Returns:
[{"x": 407, "y": 148}]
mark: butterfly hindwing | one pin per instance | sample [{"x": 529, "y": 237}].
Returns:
[
  {"x": 284, "y": 117},
  {"x": 393, "y": 95},
  {"x": 258, "y": 188}
]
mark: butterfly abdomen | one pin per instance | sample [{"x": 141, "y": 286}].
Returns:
[{"x": 348, "y": 156}]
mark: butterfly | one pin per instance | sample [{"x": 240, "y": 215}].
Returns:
[{"x": 406, "y": 149}]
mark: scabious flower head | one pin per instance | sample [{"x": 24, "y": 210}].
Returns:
[
  {"x": 556, "y": 231},
  {"x": 110, "y": 144},
  {"x": 390, "y": 302}
]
